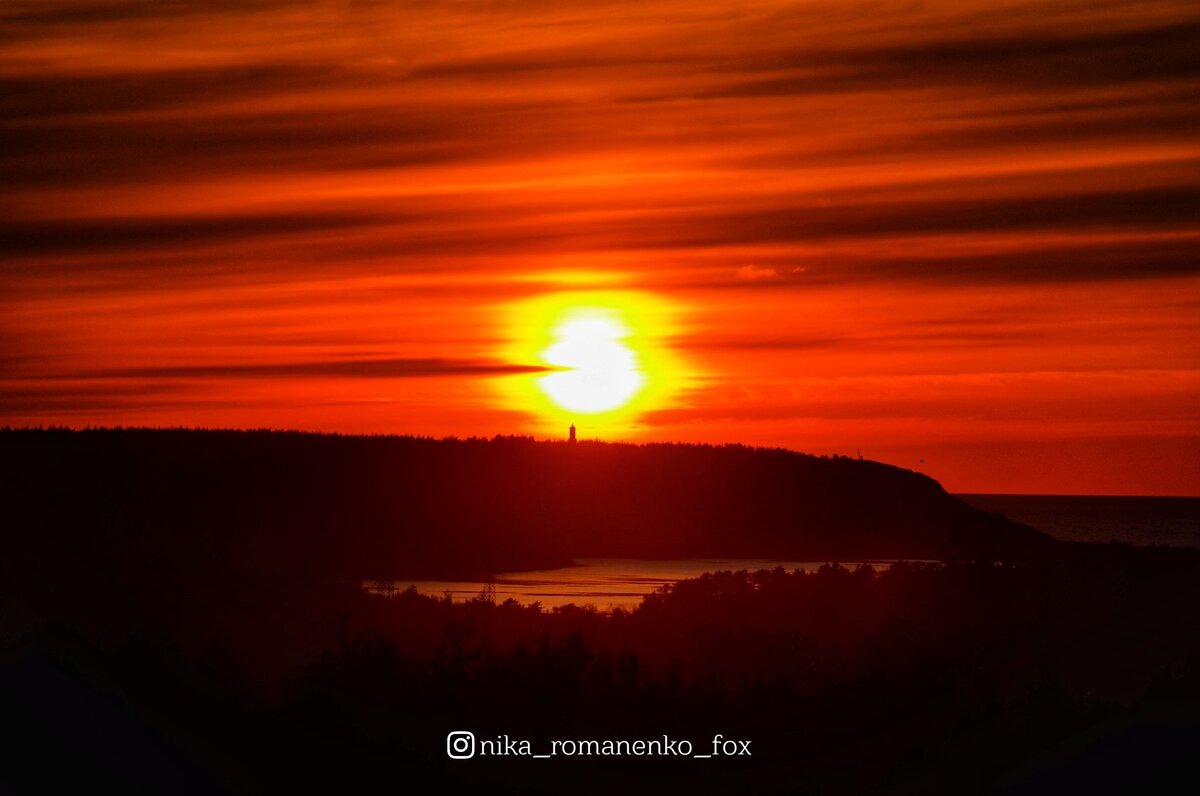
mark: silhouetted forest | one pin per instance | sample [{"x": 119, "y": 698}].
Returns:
[
  {"x": 180, "y": 612},
  {"x": 352, "y": 506},
  {"x": 1075, "y": 675}
]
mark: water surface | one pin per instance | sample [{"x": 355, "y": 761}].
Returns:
[
  {"x": 1082, "y": 518},
  {"x": 605, "y": 583}
]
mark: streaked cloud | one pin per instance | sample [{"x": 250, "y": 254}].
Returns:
[
  {"x": 345, "y": 368},
  {"x": 245, "y": 213}
]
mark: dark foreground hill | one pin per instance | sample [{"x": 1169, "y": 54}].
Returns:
[
  {"x": 169, "y": 624},
  {"x": 345, "y": 506}
]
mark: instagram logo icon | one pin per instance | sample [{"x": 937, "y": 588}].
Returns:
[{"x": 460, "y": 744}]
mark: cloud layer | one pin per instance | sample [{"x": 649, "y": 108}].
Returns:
[{"x": 200, "y": 195}]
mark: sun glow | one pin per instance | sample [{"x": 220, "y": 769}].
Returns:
[
  {"x": 608, "y": 357},
  {"x": 601, "y": 372}
]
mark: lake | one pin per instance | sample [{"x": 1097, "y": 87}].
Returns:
[
  {"x": 603, "y": 582},
  {"x": 611, "y": 582}
]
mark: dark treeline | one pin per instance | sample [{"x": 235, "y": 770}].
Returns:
[
  {"x": 1077, "y": 675},
  {"x": 180, "y": 612},
  {"x": 323, "y": 505}
]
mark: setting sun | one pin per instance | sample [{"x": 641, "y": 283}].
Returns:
[
  {"x": 607, "y": 352},
  {"x": 601, "y": 372}
]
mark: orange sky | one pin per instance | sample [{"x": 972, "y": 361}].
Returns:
[{"x": 963, "y": 233}]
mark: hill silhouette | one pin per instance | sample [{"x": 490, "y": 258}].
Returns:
[
  {"x": 299, "y": 504},
  {"x": 180, "y": 612}
]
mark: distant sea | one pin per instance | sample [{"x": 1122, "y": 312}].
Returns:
[
  {"x": 621, "y": 583},
  {"x": 1081, "y": 518}
]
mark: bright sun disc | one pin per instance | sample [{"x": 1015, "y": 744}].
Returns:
[
  {"x": 606, "y": 352},
  {"x": 601, "y": 372}
]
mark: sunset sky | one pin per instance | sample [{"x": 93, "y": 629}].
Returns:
[{"x": 961, "y": 237}]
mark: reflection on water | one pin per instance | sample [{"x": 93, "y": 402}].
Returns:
[{"x": 603, "y": 582}]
